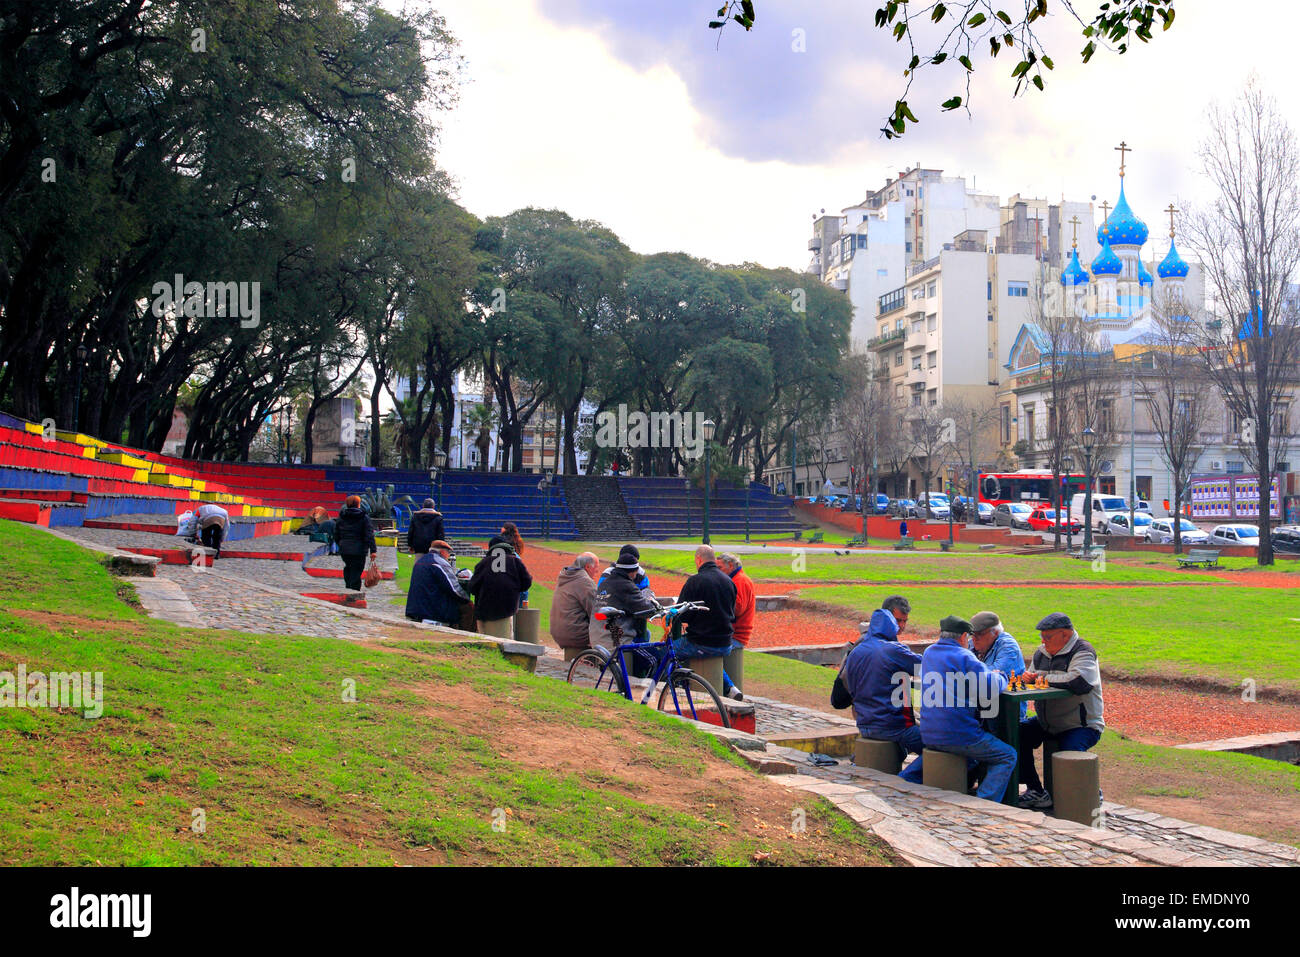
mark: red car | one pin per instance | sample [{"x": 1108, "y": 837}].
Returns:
[{"x": 1044, "y": 520}]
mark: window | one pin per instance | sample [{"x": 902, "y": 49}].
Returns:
[
  {"x": 1107, "y": 485},
  {"x": 932, "y": 359},
  {"x": 882, "y": 273},
  {"x": 932, "y": 322},
  {"x": 934, "y": 396},
  {"x": 900, "y": 325},
  {"x": 884, "y": 328},
  {"x": 909, "y": 247},
  {"x": 1282, "y": 419},
  {"x": 1006, "y": 424},
  {"x": 916, "y": 364},
  {"x": 898, "y": 357},
  {"x": 920, "y": 191},
  {"x": 1144, "y": 487},
  {"x": 1030, "y": 434},
  {"x": 920, "y": 247},
  {"x": 916, "y": 400},
  {"x": 1235, "y": 467},
  {"x": 1105, "y": 416},
  {"x": 918, "y": 292},
  {"x": 898, "y": 391},
  {"x": 916, "y": 325},
  {"x": 1018, "y": 289},
  {"x": 862, "y": 241},
  {"x": 990, "y": 291},
  {"x": 932, "y": 289}
]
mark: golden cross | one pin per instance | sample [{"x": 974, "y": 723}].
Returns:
[
  {"x": 1123, "y": 148},
  {"x": 1075, "y": 221},
  {"x": 1171, "y": 212},
  {"x": 1105, "y": 215}
]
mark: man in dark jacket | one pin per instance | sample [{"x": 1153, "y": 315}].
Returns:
[
  {"x": 498, "y": 580},
  {"x": 618, "y": 588},
  {"x": 877, "y": 674},
  {"x": 355, "y": 537},
  {"x": 436, "y": 594},
  {"x": 426, "y": 528},
  {"x": 708, "y": 633}
]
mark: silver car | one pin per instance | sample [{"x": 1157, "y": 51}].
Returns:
[
  {"x": 1235, "y": 535},
  {"x": 1119, "y": 524},
  {"x": 1161, "y": 531},
  {"x": 1012, "y": 515}
]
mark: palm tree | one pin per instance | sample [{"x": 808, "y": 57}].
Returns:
[{"x": 482, "y": 417}]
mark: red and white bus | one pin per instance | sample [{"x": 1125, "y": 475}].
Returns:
[{"x": 1030, "y": 486}]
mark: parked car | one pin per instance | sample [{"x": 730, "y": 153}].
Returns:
[
  {"x": 935, "y": 505},
  {"x": 882, "y": 503},
  {"x": 985, "y": 510},
  {"x": 1045, "y": 520},
  {"x": 1286, "y": 538},
  {"x": 1235, "y": 535},
  {"x": 1119, "y": 524},
  {"x": 1104, "y": 508},
  {"x": 1012, "y": 515},
  {"x": 903, "y": 507},
  {"x": 1161, "y": 531}
]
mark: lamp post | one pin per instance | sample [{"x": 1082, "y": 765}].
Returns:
[
  {"x": 435, "y": 476},
  {"x": 709, "y": 428},
  {"x": 82, "y": 352},
  {"x": 746, "y": 509},
  {"x": 952, "y": 490},
  {"x": 1089, "y": 441},
  {"x": 545, "y": 486},
  {"x": 1067, "y": 463},
  {"x": 687, "y": 485}
]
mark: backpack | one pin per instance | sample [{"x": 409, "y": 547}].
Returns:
[{"x": 841, "y": 697}]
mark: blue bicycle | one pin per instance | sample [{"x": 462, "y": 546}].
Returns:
[{"x": 681, "y": 690}]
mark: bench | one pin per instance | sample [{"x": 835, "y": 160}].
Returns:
[
  {"x": 905, "y": 545},
  {"x": 1206, "y": 557},
  {"x": 817, "y": 537},
  {"x": 1098, "y": 551}
]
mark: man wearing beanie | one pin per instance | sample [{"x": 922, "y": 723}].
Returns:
[
  {"x": 957, "y": 689},
  {"x": 1074, "y": 723},
  {"x": 618, "y": 589}
]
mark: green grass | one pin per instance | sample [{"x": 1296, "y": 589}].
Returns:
[
  {"x": 811, "y": 565},
  {"x": 775, "y": 672},
  {"x": 1226, "y": 633},
  {"x": 254, "y": 731}
]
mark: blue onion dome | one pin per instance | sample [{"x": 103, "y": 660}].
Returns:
[
  {"x": 1123, "y": 228},
  {"x": 1073, "y": 274},
  {"x": 1144, "y": 276},
  {"x": 1172, "y": 266},
  {"x": 1106, "y": 263}
]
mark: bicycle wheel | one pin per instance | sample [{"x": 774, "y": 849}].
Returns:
[
  {"x": 591, "y": 669},
  {"x": 689, "y": 695}
]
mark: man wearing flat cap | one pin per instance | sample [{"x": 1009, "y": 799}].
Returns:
[
  {"x": 957, "y": 690},
  {"x": 1074, "y": 723}
]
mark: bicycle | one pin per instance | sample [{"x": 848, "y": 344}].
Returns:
[{"x": 683, "y": 691}]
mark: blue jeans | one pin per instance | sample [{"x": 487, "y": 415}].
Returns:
[
  {"x": 998, "y": 759},
  {"x": 1033, "y": 734},
  {"x": 685, "y": 648},
  {"x": 908, "y": 741}
]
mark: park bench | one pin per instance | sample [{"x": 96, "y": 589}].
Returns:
[
  {"x": 1207, "y": 557},
  {"x": 905, "y": 545},
  {"x": 817, "y": 537},
  {"x": 797, "y": 536},
  {"x": 1098, "y": 551}
]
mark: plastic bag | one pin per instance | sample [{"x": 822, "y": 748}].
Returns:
[{"x": 187, "y": 524}]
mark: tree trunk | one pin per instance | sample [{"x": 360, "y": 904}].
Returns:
[{"x": 375, "y": 459}]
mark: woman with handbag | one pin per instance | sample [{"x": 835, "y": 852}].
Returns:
[{"x": 355, "y": 537}]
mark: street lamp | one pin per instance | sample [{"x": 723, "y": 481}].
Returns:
[
  {"x": 1089, "y": 441},
  {"x": 82, "y": 352},
  {"x": 746, "y": 509},
  {"x": 1067, "y": 463},
  {"x": 687, "y": 485},
  {"x": 545, "y": 486},
  {"x": 709, "y": 429},
  {"x": 435, "y": 476}
]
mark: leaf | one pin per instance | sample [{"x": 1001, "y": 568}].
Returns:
[
  {"x": 1005, "y": 18},
  {"x": 1038, "y": 82},
  {"x": 1021, "y": 69},
  {"x": 899, "y": 29},
  {"x": 907, "y": 111},
  {"x": 1047, "y": 62},
  {"x": 938, "y": 58},
  {"x": 965, "y": 61},
  {"x": 1088, "y": 51},
  {"x": 952, "y": 104},
  {"x": 975, "y": 20},
  {"x": 939, "y": 11}
]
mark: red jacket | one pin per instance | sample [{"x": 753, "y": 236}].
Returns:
[{"x": 744, "y": 626}]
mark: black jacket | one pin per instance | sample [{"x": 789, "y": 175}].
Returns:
[
  {"x": 353, "y": 533},
  {"x": 637, "y": 604},
  {"x": 435, "y": 592},
  {"x": 426, "y": 528},
  {"x": 498, "y": 580},
  {"x": 713, "y": 628}
]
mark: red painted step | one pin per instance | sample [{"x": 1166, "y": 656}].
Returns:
[
  {"x": 169, "y": 556},
  {"x": 338, "y": 573},
  {"x": 351, "y": 600}
]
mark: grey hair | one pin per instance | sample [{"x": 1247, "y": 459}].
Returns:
[
  {"x": 954, "y": 635},
  {"x": 897, "y": 603},
  {"x": 586, "y": 560},
  {"x": 729, "y": 559}
]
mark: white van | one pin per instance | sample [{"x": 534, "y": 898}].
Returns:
[{"x": 1104, "y": 508}]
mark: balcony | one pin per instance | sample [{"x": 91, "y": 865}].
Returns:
[
  {"x": 889, "y": 338},
  {"x": 891, "y": 301},
  {"x": 917, "y": 268},
  {"x": 815, "y": 243}
]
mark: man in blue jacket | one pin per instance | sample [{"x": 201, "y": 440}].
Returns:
[
  {"x": 877, "y": 667},
  {"x": 996, "y": 648},
  {"x": 436, "y": 594},
  {"x": 957, "y": 689}
]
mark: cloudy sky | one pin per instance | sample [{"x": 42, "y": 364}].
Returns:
[{"x": 637, "y": 115}]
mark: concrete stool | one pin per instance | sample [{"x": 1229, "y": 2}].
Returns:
[
  {"x": 710, "y": 669},
  {"x": 1077, "y": 792},
  {"x": 501, "y": 628},
  {"x": 734, "y": 665},
  {"x": 944, "y": 770},
  {"x": 878, "y": 755},
  {"x": 527, "y": 623}
]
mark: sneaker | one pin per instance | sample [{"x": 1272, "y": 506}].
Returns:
[
  {"x": 734, "y": 694},
  {"x": 1035, "y": 799}
]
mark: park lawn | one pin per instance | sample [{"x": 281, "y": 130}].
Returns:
[
  {"x": 1227, "y": 562},
  {"x": 253, "y": 732},
  {"x": 1224, "y": 634},
  {"x": 810, "y": 565}
]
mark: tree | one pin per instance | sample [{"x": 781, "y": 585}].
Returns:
[
  {"x": 482, "y": 418},
  {"x": 867, "y": 412},
  {"x": 974, "y": 442},
  {"x": 955, "y": 29},
  {"x": 1249, "y": 246},
  {"x": 1174, "y": 386},
  {"x": 932, "y": 436}
]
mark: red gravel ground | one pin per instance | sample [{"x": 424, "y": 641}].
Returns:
[{"x": 1149, "y": 713}]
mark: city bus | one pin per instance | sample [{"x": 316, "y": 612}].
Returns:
[{"x": 1030, "y": 486}]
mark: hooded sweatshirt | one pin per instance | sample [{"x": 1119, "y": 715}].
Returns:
[
  {"x": 426, "y": 528},
  {"x": 571, "y": 605},
  {"x": 498, "y": 580},
  {"x": 872, "y": 672}
]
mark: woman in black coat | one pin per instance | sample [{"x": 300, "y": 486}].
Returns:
[{"x": 354, "y": 536}]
